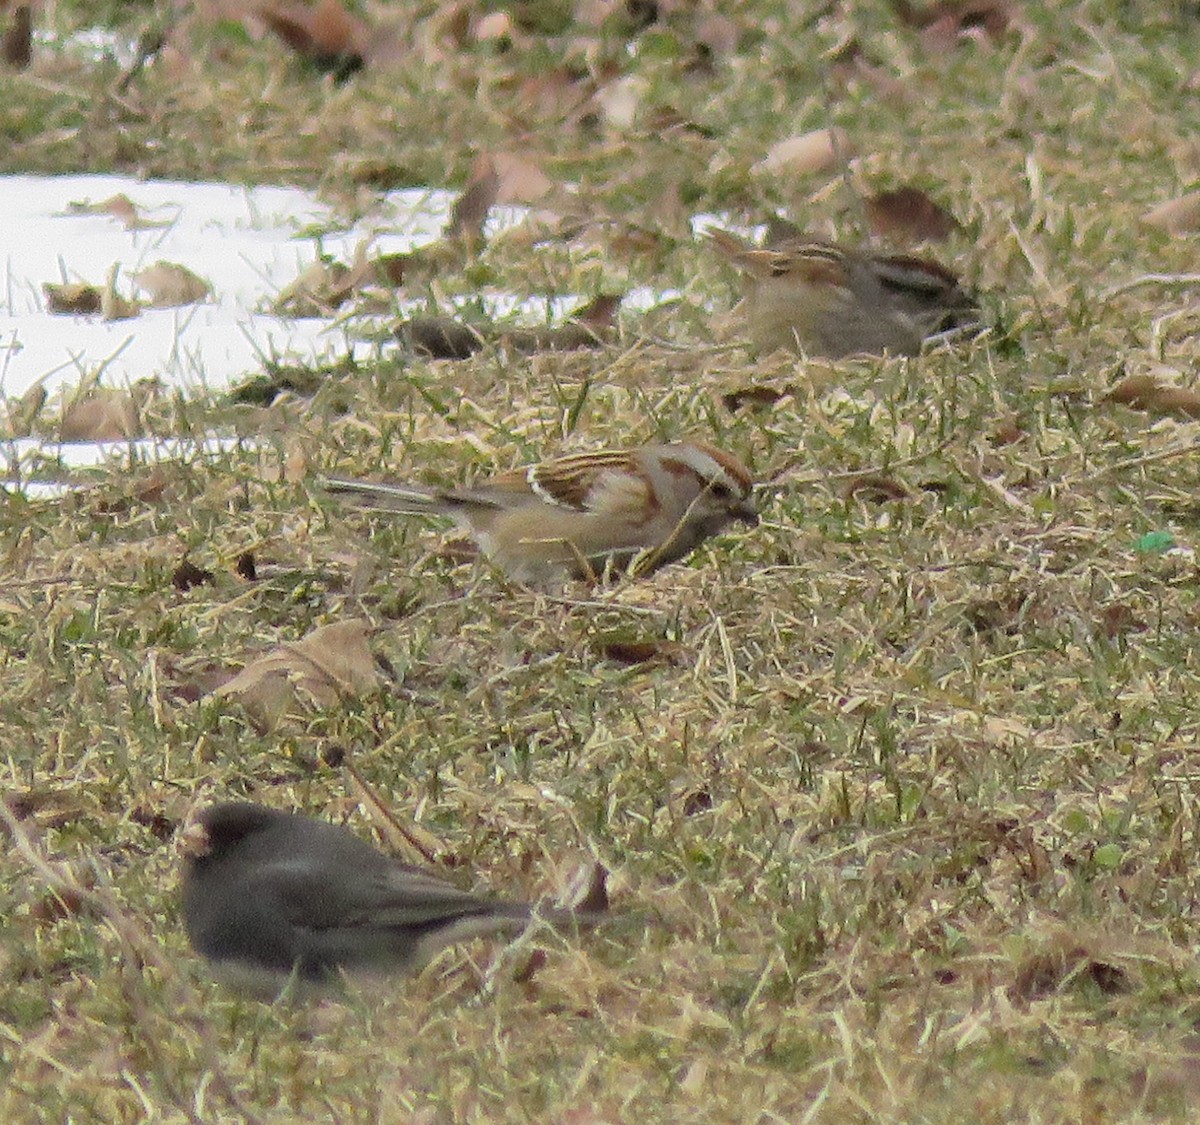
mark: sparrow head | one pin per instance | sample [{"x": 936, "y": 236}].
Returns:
[{"x": 726, "y": 488}]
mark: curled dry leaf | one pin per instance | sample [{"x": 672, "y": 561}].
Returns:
[
  {"x": 817, "y": 151},
  {"x": 324, "y": 286},
  {"x": 121, "y": 208},
  {"x": 23, "y": 411},
  {"x": 328, "y": 35},
  {"x": 1176, "y": 216},
  {"x": 753, "y": 396},
  {"x": 877, "y": 488},
  {"x": 188, "y": 575},
  {"x": 445, "y": 338},
  {"x": 103, "y": 415},
  {"x": 331, "y": 664},
  {"x": 907, "y": 212},
  {"x": 171, "y": 285},
  {"x": 112, "y": 305},
  {"x": 75, "y": 298},
  {"x": 1145, "y": 392},
  {"x": 945, "y": 24},
  {"x": 639, "y": 650}
]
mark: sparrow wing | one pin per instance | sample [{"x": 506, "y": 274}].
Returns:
[{"x": 576, "y": 481}]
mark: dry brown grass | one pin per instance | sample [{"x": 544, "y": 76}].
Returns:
[{"x": 906, "y": 830}]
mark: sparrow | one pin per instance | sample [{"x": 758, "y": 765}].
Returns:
[
  {"x": 821, "y": 299},
  {"x": 579, "y": 515},
  {"x": 271, "y": 896}
]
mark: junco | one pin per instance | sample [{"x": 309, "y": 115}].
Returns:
[{"x": 269, "y": 894}]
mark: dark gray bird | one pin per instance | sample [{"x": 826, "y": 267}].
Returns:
[{"x": 268, "y": 895}]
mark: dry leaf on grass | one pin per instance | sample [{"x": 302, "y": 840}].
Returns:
[
  {"x": 907, "y": 212},
  {"x": 171, "y": 285},
  {"x": 442, "y": 337},
  {"x": 947, "y": 23},
  {"x": 23, "y": 412},
  {"x": 878, "y": 488},
  {"x": 1145, "y": 392},
  {"x": 635, "y": 651},
  {"x": 1180, "y": 215},
  {"x": 324, "y": 286},
  {"x": 817, "y": 151},
  {"x": 112, "y": 305},
  {"x": 331, "y": 664},
  {"x": 121, "y": 208},
  {"x": 102, "y": 416},
  {"x": 328, "y": 36},
  {"x": 76, "y": 298}
]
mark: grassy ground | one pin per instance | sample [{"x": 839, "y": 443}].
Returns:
[{"x": 902, "y": 832}]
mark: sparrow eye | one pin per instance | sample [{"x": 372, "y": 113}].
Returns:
[{"x": 721, "y": 491}]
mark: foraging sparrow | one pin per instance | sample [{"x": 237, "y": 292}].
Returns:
[
  {"x": 638, "y": 508},
  {"x": 821, "y": 299},
  {"x": 269, "y": 894}
]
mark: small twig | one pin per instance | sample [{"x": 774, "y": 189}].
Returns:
[
  {"x": 780, "y": 477},
  {"x": 1148, "y": 459},
  {"x": 1150, "y": 279}
]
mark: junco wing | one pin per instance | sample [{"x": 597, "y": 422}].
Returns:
[{"x": 275, "y": 893}]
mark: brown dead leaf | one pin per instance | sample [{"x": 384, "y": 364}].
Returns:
[
  {"x": 23, "y": 412},
  {"x": 1145, "y": 392},
  {"x": 1061, "y": 961},
  {"x": 103, "y": 416},
  {"x": 112, "y": 305},
  {"x": 1006, "y": 431},
  {"x": 17, "y": 44},
  {"x": 1119, "y": 621},
  {"x": 121, "y": 208},
  {"x": 947, "y": 23},
  {"x": 877, "y": 488},
  {"x": 324, "y": 286},
  {"x": 519, "y": 180},
  {"x": 752, "y": 396},
  {"x": 75, "y": 298},
  {"x": 328, "y": 35},
  {"x": 171, "y": 285},
  {"x": 639, "y": 650},
  {"x": 907, "y": 212},
  {"x": 188, "y": 575},
  {"x": 1180, "y": 215},
  {"x": 818, "y": 151},
  {"x": 441, "y": 337},
  {"x": 330, "y": 665}
]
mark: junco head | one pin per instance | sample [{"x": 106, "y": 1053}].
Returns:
[{"x": 269, "y": 895}]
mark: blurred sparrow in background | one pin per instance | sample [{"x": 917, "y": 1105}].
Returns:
[
  {"x": 578, "y": 515},
  {"x": 826, "y": 300},
  {"x": 269, "y": 894}
]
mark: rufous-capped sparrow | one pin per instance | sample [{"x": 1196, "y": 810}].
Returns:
[
  {"x": 821, "y": 299},
  {"x": 635, "y": 509}
]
